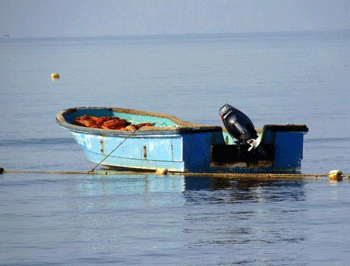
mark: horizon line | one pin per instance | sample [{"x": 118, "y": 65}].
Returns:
[{"x": 8, "y": 36}]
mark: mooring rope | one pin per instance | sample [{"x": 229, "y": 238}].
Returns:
[
  {"x": 108, "y": 172},
  {"x": 229, "y": 176},
  {"x": 131, "y": 134}
]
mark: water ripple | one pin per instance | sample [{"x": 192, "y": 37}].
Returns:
[{"x": 36, "y": 141}]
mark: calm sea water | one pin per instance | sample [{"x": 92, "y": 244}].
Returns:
[{"x": 151, "y": 220}]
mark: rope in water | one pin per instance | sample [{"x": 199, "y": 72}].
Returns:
[
  {"x": 260, "y": 176},
  {"x": 132, "y": 133}
]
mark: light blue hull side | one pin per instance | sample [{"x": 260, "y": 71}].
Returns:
[{"x": 176, "y": 152}]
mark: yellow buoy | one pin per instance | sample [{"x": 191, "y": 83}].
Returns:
[
  {"x": 161, "y": 171},
  {"x": 335, "y": 175},
  {"x": 55, "y": 76}
]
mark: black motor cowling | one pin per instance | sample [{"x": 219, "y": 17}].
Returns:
[{"x": 238, "y": 124}]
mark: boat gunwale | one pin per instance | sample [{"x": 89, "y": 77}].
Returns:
[{"x": 184, "y": 127}]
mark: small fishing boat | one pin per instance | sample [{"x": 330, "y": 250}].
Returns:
[{"x": 151, "y": 141}]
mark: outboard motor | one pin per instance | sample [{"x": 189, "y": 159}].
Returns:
[{"x": 239, "y": 126}]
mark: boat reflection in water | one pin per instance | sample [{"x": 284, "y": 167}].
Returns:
[
  {"x": 188, "y": 188},
  {"x": 192, "y": 215},
  {"x": 242, "y": 190}
]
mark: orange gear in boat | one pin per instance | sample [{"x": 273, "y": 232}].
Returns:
[
  {"x": 143, "y": 125},
  {"x": 86, "y": 121},
  {"x": 107, "y": 122},
  {"x": 114, "y": 124},
  {"x": 130, "y": 128}
]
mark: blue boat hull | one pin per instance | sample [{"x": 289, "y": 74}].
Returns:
[{"x": 180, "y": 146}]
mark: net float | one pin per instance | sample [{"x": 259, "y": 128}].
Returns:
[{"x": 55, "y": 76}]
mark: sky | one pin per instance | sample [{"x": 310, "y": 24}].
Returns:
[{"x": 90, "y": 18}]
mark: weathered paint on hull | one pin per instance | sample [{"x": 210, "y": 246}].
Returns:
[
  {"x": 135, "y": 152},
  {"x": 175, "y": 152}
]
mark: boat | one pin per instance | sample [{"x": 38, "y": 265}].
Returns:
[{"x": 179, "y": 146}]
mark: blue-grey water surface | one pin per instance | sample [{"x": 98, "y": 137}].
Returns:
[{"x": 173, "y": 220}]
